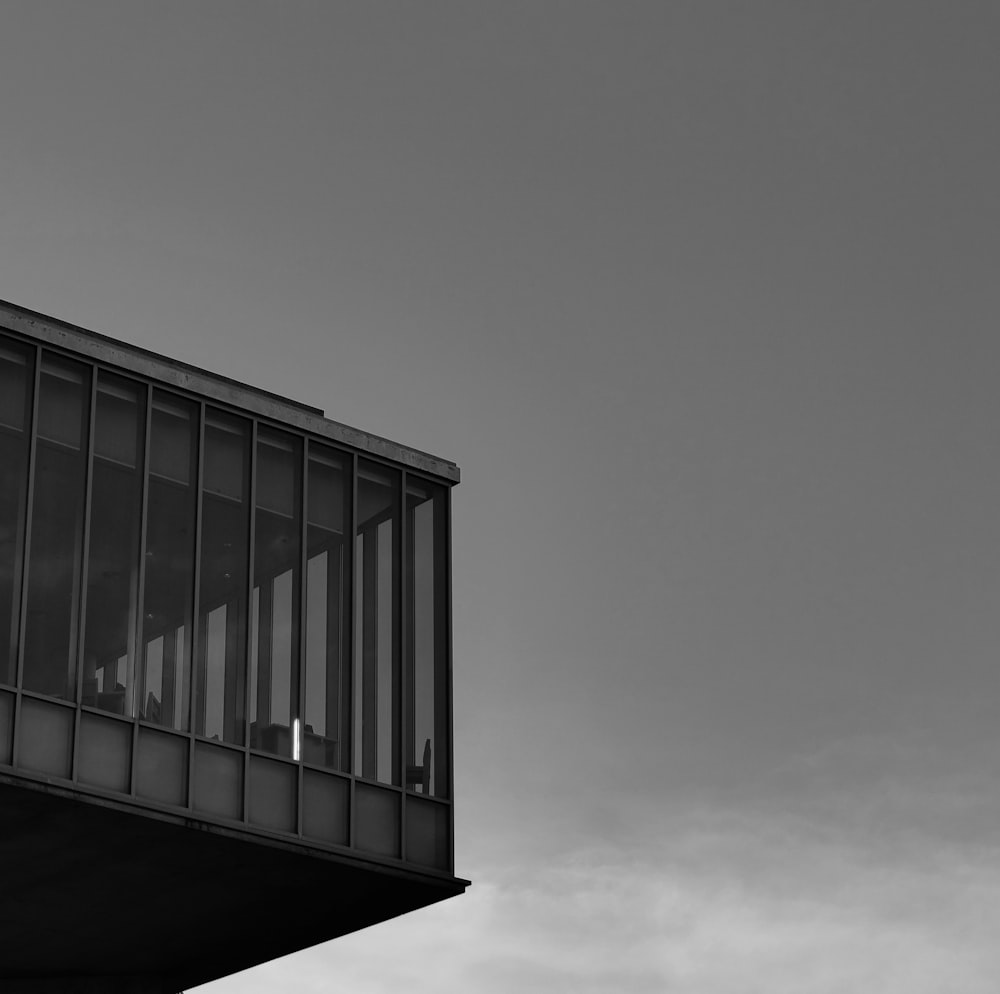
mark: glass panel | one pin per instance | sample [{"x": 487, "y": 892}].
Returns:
[
  {"x": 168, "y": 588},
  {"x": 15, "y": 385},
  {"x": 54, "y": 566},
  {"x": 272, "y": 799},
  {"x": 377, "y": 819},
  {"x": 113, "y": 558},
  {"x": 6, "y": 727},
  {"x": 16, "y": 377},
  {"x": 427, "y": 839},
  {"x": 325, "y": 807},
  {"x": 427, "y": 641},
  {"x": 161, "y": 767},
  {"x": 327, "y": 698},
  {"x": 274, "y": 707},
  {"x": 376, "y": 661},
  {"x": 105, "y": 756},
  {"x": 45, "y": 737},
  {"x": 218, "y": 780},
  {"x": 220, "y": 683}
]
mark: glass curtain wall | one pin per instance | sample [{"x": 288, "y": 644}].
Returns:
[
  {"x": 168, "y": 595},
  {"x": 259, "y": 653},
  {"x": 56, "y": 540},
  {"x": 220, "y": 681},
  {"x": 275, "y": 606},
  {"x": 16, "y": 380},
  {"x": 427, "y": 626},
  {"x": 327, "y": 692},
  {"x": 376, "y": 660},
  {"x": 113, "y": 555}
]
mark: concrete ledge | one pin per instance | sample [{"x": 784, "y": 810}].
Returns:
[{"x": 90, "y": 890}]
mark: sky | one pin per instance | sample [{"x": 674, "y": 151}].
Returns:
[{"x": 702, "y": 298}]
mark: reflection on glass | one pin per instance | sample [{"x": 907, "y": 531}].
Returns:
[
  {"x": 327, "y": 698},
  {"x": 427, "y": 641},
  {"x": 163, "y": 678},
  {"x": 274, "y": 660},
  {"x": 113, "y": 558},
  {"x": 376, "y": 661},
  {"x": 220, "y": 680},
  {"x": 52, "y": 618},
  {"x": 16, "y": 375}
]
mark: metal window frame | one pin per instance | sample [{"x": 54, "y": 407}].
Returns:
[
  {"x": 351, "y": 454},
  {"x": 29, "y": 513},
  {"x": 88, "y": 493}
]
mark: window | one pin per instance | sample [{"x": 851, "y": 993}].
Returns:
[
  {"x": 168, "y": 596},
  {"x": 427, "y": 624},
  {"x": 16, "y": 376},
  {"x": 274, "y": 679},
  {"x": 376, "y": 661},
  {"x": 326, "y": 720},
  {"x": 113, "y": 555},
  {"x": 220, "y": 682},
  {"x": 56, "y": 543}
]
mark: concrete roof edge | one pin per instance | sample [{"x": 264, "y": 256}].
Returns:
[{"x": 214, "y": 386}]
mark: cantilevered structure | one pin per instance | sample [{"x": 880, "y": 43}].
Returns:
[{"x": 225, "y": 670}]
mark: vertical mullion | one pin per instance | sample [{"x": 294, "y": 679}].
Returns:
[
  {"x": 355, "y": 593},
  {"x": 231, "y": 677},
  {"x": 298, "y": 583},
  {"x": 398, "y": 544},
  {"x": 81, "y": 599},
  {"x": 409, "y": 635},
  {"x": 136, "y": 634},
  {"x": 135, "y": 601},
  {"x": 333, "y": 654},
  {"x": 303, "y": 564},
  {"x": 195, "y": 593},
  {"x": 26, "y": 551},
  {"x": 21, "y": 537},
  {"x": 140, "y": 662},
  {"x": 345, "y": 648},
  {"x": 87, "y": 502},
  {"x": 440, "y": 594},
  {"x": 413, "y": 741},
  {"x": 265, "y": 657},
  {"x": 369, "y": 654},
  {"x": 449, "y": 687},
  {"x": 79, "y": 566},
  {"x": 404, "y": 617},
  {"x": 195, "y": 607},
  {"x": 252, "y": 674}
]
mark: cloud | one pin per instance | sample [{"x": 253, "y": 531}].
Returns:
[{"x": 716, "y": 903}]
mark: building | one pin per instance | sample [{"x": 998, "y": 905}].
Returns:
[{"x": 225, "y": 670}]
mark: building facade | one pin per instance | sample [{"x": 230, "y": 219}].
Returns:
[{"x": 225, "y": 654}]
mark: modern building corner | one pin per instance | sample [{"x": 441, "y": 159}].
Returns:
[{"x": 225, "y": 670}]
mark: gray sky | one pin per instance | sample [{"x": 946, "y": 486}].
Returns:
[{"x": 702, "y": 297}]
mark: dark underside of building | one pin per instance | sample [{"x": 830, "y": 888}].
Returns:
[
  {"x": 92, "y": 890},
  {"x": 225, "y": 671}
]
